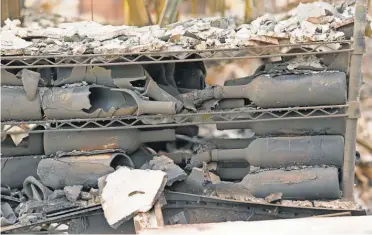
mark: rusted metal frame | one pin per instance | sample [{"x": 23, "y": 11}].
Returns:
[
  {"x": 178, "y": 120},
  {"x": 353, "y": 99},
  {"x": 182, "y": 200},
  {"x": 173, "y": 57}
]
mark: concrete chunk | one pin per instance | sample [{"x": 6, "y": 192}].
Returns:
[
  {"x": 274, "y": 197},
  {"x": 197, "y": 181},
  {"x": 128, "y": 192},
  {"x": 163, "y": 163},
  {"x": 30, "y": 80},
  {"x": 72, "y": 192}
]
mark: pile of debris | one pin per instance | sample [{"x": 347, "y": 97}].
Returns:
[
  {"x": 124, "y": 192},
  {"x": 280, "y": 169},
  {"x": 311, "y": 22}
]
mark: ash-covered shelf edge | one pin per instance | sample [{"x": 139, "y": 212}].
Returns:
[
  {"x": 204, "y": 117},
  {"x": 45, "y": 61}
]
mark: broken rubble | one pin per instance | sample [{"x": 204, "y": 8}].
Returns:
[
  {"x": 30, "y": 81},
  {"x": 296, "y": 203},
  {"x": 274, "y": 197},
  {"x": 45, "y": 207},
  {"x": 231, "y": 191},
  {"x": 127, "y": 192},
  {"x": 336, "y": 204},
  {"x": 196, "y": 181},
  {"x": 163, "y": 163},
  {"x": 194, "y": 34},
  {"x": 72, "y": 192},
  {"x": 85, "y": 196},
  {"x": 30, "y": 218},
  {"x": 56, "y": 194}
]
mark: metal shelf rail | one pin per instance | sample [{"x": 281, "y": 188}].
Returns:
[
  {"x": 353, "y": 99},
  {"x": 45, "y": 61},
  {"x": 187, "y": 119}
]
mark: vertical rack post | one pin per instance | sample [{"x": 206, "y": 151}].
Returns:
[{"x": 353, "y": 99}]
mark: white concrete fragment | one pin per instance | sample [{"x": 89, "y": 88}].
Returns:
[
  {"x": 127, "y": 192},
  {"x": 11, "y": 44}
]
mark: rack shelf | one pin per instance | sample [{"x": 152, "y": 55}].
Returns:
[
  {"x": 45, "y": 61},
  {"x": 242, "y": 115}
]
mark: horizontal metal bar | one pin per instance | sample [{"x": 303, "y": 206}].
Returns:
[
  {"x": 171, "y": 124},
  {"x": 170, "y": 53},
  {"x": 185, "y": 115},
  {"x": 202, "y": 118},
  {"x": 169, "y": 60},
  {"x": 171, "y": 56}
]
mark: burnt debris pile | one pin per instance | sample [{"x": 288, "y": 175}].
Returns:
[{"x": 117, "y": 142}]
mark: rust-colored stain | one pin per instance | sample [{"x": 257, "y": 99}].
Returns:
[
  {"x": 24, "y": 126},
  {"x": 101, "y": 147},
  {"x": 112, "y": 144},
  {"x": 290, "y": 179}
]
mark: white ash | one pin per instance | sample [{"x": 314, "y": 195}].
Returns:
[
  {"x": 257, "y": 169},
  {"x": 79, "y": 84},
  {"x": 309, "y": 22},
  {"x": 296, "y": 203},
  {"x": 310, "y": 61},
  {"x": 336, "y": 204}
]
